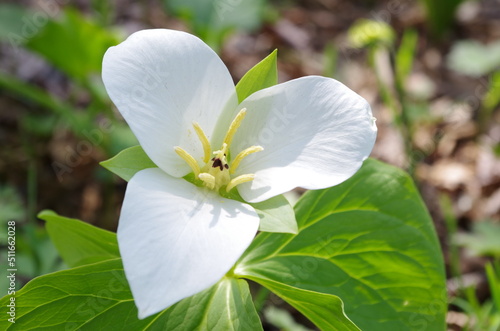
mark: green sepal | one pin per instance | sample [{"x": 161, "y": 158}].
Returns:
[
  {"x": 128, "y": 162},
  {"x": 263, "y": 75}
]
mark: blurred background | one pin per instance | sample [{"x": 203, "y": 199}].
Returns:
[{"x": 430, "y": 70}]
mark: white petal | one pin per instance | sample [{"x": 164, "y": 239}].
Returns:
[
  {"x": 162, "y": 81},
  {"x": 315, "y": 131},
  {"x": 177, "y": 239}
]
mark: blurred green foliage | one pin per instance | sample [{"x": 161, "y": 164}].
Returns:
[
  {"x": 405, "y": 56},
  {"x": 73, "y": 44},
  {"x": 491, "y": 99},
  {"x": 282, "y": 319},
  {"x": 397, "y": 60},
  {"x": 34, "y": 250},
  {"x": 12, "y": 207},
  {"x": 213, "y": 20},
  {"x": 440, "y": 15},
  {"x": 483, "y": 240},
  {"x": 483, "y": 316},
  {"x": 11, "y": 20},
  {"x": 472, "y": 58}
]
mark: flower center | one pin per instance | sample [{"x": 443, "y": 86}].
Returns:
[{"x": 216, "y": 171}]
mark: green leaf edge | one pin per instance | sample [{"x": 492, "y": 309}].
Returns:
[{"x": 126, "y": 173}]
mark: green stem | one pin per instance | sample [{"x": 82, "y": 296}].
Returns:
[
  {"x": 100, "y": 102},
  {"x": 385, "y": 93},
  {"x": 405, "y": 123},
  {"x": 451, "y": 227},
  {"x": 398, "y": 113},
  {"x": 494, "y": 283},
  {"x": 330, "y": 60},
  {"x": 29, "y": 230},
  {"x": 490, "y": 100}
]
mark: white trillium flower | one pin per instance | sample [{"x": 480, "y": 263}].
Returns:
[{"x": 176, "y": 238}]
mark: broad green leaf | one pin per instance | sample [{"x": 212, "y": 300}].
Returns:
[
  {"x": 225, "y": 306},
  {"x": 73, "y": 44},
  {"x": 128, "y": 162},
  {"x": 325, "y": 310},
  {"x": 276, "y": 215},
  {"x": 264, "y": 74},
  {"x": 369, "y": 241},
  {"x": 79, "y": 243},
  {"x": 97, "y": 297}
]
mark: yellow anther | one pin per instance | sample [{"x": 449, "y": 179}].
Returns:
[
  {"x": 234, "y": 126},
  {"x": 208, "y": 179},
  {"x": 189, "y": 160},
  {"x": 241, "y": 155},
  {"x": 204, "y": 142},
  {"x": 239, "y": 180}
]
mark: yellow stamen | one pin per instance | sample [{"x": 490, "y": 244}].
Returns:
[
  {"x": 239, "y": 180},
  {"x": 234, "y": 126},
  {"x": 208, "y": 179},
  {"x": 241, "y": 155},
  {"x": 189, "y": 160},
  {"x": 216, "y": 172},
  {"x": 204, "y": 141}
]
